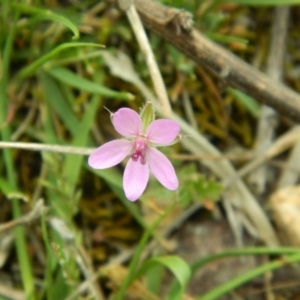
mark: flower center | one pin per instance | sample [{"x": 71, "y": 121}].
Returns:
[{"x": 139, "y": 152}]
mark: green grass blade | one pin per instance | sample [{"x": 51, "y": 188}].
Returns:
[
  {"x": 176, "y": 265},
  {"x": 74, "y": 162},
  {"x": 248, "y": 102},
  {"x": 244, "y": 251},
  {"x": 68, "y": 77},
  {"x": 236, "y": 252},
  {"x": 57, "y": 102},
  {"x": 223, "y": 289},
  {"x": 29, "y": 70},
  {"x": 222, "y": 38},
  {"x": 5, "y": 133},
  {"x": 10, "y": 192},
  {"x": 46, "y": 14}
]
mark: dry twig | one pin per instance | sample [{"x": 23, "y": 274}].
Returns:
[
  {"x": 175, "y": 26},
  {"x": 35, "y": 213},
  {"x": 283, "y": 143},
  {"x": 145, "y": 47},
  {"x": 268, "y": 117},
  {"x": 11, "y": 293},
  {"x": 47, "y": 147}
]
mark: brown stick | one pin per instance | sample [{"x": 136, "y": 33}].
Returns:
[{"x": 175, "y": 26}]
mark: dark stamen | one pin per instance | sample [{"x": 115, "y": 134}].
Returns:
[{"x": 138, "y": 154}]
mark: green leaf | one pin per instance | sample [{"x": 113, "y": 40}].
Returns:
[
  {"x": 29, "y": 70},
  {"x": 175, "y": 264},
  {"x": 248, "y": 102},
  {"x": 147, "y": 115},
  {"x": 73, "y": 162},
  {"x": 208, "y": 188},
  {"x": 196, "y": 186},
  {"x": 154, "y": 278},
  {"x": 10, "y": 192},
  {"x": 68, "y": 77},
  {"x": 46, "y": 14},
  {"x": 222, "y": 38},
  {"x": 56, "y": 100}
]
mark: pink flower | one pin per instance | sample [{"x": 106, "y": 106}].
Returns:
[{"x": 139, "y": 144}]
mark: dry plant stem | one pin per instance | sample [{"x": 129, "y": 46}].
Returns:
[
  {"x": 47, "y": 147},
  {"x": 6, "y": 242},
  {"x": 35, "y": 213},
  {"x": 188, "y": 108},
  {"x": 281, "y": 144},
  {"x": 28, "y": 119},
  {"x": 291, "y": 169},
  {"x": 269, "y": 293},
  {"x": 268, "y": 117},
  {"x": 10, "y": 293},
  {"x": 227, "y": 66},
  {"x": 156, "y": 77},
  {"x": 100, "y": 140},
  {"x": 88, "y": 151},
  {"x": 237, "y": 198},
  {"x": 234, "y": 157},
  {"x": 82, "y": 260}
]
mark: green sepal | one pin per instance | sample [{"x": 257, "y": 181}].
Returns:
[{"x": 147, "y": 115}]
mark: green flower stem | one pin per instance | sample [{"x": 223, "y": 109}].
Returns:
[{"x": 140, "y": 248}]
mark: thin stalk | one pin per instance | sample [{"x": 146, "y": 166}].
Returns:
[
  {"x": 243, "y": 252},
  {"x": 154, "y": 71},
  {"x": 47, "y": 147},
  {"x": 138, "y": 253},
  {"x": 221, "y": 290}
]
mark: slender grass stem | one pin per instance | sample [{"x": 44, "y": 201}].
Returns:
[{"x": 223, "y": 289}]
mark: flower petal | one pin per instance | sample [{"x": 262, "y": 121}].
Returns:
[
  {"x": 127, "y": 122},
  {"x": 162, "y": 131},
  {"x": 162, "y": 169},
  {"x": 135, "y": 179},
  {"x": 110, "y": 154}
]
